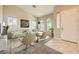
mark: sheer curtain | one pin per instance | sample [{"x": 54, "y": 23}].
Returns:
[{"x": 12, "y": 23}]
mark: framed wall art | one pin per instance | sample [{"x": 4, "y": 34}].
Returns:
[{"x": 24, "y": 23}]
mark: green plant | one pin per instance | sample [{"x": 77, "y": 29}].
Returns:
[
  {"x": 51, "y": 29},
  {"x": 5, "y": 29},
  {"x": 52, "y": 32}
]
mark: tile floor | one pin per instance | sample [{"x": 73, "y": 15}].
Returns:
[{"x": 63, "y": 46}]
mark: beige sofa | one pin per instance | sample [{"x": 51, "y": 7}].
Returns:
[{"x": 22, "y": 42}]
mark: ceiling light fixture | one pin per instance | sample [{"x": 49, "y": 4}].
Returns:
[{"x": 34, "y": 6}]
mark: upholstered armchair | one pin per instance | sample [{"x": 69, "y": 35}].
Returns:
[{"x": 41, "y": 35}]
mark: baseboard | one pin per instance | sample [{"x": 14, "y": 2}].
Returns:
[
  {"x": 66, "y": 40},
  {"x": 70, "y": 41},
  {"x": 57, "y": 38}
]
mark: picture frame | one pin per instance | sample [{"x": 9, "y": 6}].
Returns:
[{"x": 24, "y": 23}]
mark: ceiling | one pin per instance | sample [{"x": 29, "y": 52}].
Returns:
[{"x": 40, "y": 10}]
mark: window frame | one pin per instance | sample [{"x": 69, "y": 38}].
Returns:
[{"x": 58, "y": 20}]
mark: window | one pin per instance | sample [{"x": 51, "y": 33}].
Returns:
[
  {"x": 32, "y": 24},
  {"x": 12, "y": 22},
  {"x": 58, "y": 21},
  {"x": 41, "y": 26},
  {"x": 49, "y": 24}
]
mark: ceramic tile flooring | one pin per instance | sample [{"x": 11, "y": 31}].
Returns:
[{"x": 63, "y": 46}]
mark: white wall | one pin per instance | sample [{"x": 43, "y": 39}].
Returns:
[{"x": 69, "y": 25}]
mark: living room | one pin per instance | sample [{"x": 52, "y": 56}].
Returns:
[
  {"x": 13, "y": 21},
  {"x": 39, "y": 29}
]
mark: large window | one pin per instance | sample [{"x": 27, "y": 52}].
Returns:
[
  {"x": 41, "y": 26},
  {"x": 12, "y": 22},
  {"x": 49, "y": 24},
  {"x": 32, "y": 24}
]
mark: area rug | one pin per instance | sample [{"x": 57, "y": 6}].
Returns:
[{"x": 39, "y": 48}]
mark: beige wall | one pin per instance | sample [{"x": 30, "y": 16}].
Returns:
[
  {"x": 10, "y": 10},
  {"x": 15, "y": 11},
  {"x": 60, "y": 9},
  {"x": 69, "y": 24},
  {"x": 1, "y": 10}
]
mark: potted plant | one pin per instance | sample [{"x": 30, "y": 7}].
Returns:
[
  {"x": 52, "y": 31},
  {"x": 5, "y": 30}
]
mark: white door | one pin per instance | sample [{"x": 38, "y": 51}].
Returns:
[{"x": 69, "y": 25}]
